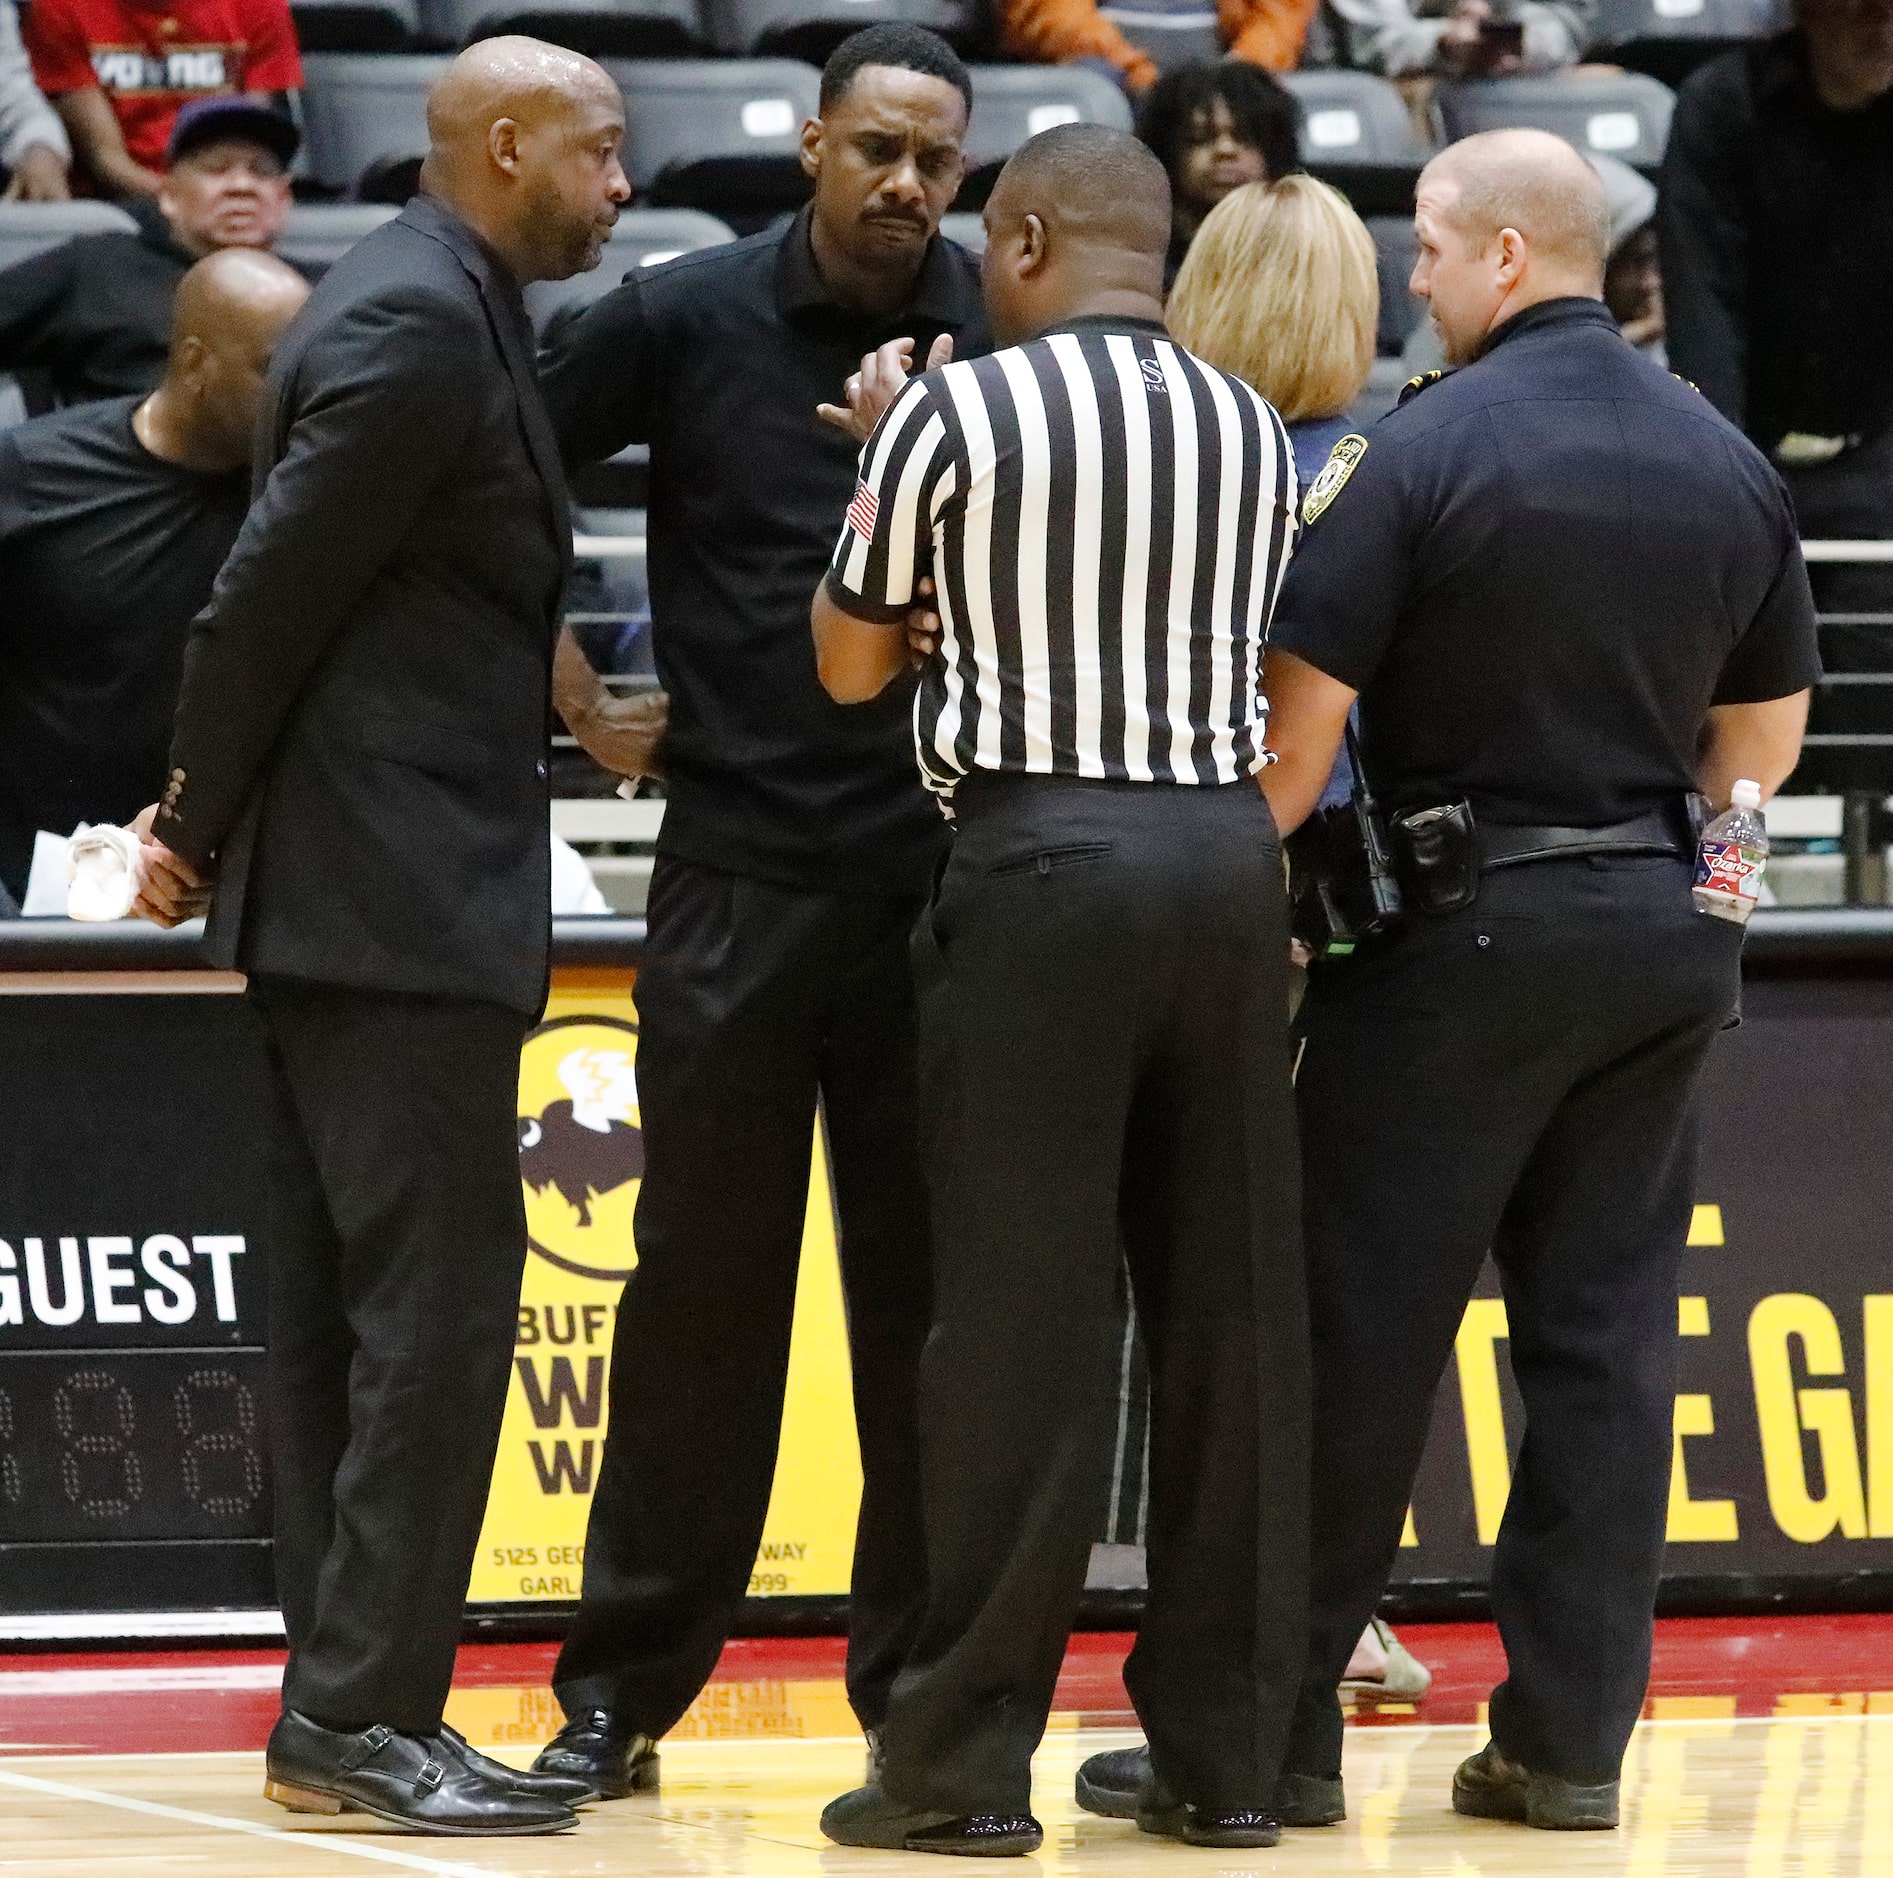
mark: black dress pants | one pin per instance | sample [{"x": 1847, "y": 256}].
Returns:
[
  {"x": 1518, "y": 1077},
  {"x": 1103, "y": 1014},
  {"x": 754, "y": 1002},
  {"x": 397, "y": 1239}
]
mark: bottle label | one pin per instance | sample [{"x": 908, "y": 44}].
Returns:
[{"x": 1728, "y": 867}]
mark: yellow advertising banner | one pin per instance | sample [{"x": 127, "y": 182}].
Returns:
[{"x": 582, "y": 1161}]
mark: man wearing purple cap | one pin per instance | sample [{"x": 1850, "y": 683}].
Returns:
[{"x": 92, "y": 318}]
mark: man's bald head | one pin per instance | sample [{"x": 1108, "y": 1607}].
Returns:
[
  {"x": 1531, "y": 181},
  {"x": 523, "y": 143},
  {"x": 1078, "y": 212},
  {"x": 236, "y": 291},
  {"x": 1505, "y": 220},
  {"x": 230, "y": 310}
]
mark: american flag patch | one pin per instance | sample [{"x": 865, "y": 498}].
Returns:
[{"x": 862, "y": 510}]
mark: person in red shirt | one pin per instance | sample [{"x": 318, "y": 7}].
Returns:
[{"x": 119, "y": 71}]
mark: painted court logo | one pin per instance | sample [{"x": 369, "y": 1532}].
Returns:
[{"x": 581, "y": 1145}]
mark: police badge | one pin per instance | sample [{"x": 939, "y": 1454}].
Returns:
[{"x": 1334, "y": 474}]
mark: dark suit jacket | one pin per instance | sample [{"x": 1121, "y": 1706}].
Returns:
[{"x": 361, "y": 737}]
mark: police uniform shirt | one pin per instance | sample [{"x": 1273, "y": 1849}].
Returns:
[
  {"x": 1106, "y": 519},
  {"x": 717, "y": 360},
  {"x": 1541, "y": 572}
]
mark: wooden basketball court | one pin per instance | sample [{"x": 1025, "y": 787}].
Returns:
[{"x": 1758, "y": 1771}]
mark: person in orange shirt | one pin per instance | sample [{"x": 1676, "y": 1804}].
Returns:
[{"x": 1268, "y": 33}]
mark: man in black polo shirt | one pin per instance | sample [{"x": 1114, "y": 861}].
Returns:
[
  {"x": 114, "y": 519},
  {"x": 1777, "y": 230},
  {"x": 91, "y": 318},
  {"x": 797, "y": 847}
]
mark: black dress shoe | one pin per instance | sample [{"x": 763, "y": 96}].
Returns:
[
  {"x": 869, "y": 1817},
  {"x": 1491, "y": 1785},
  {"x": 611, "y": 1762},
  {"x": 417, "y": 1781},
  {"x": 567, "y": 1789},
  {"x": 1110, "y": 1785}
]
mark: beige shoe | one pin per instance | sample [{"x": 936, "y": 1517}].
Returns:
[{"x": 1383, "y": 1667}]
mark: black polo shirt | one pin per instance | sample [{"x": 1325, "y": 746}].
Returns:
[
  {"x": 91, "y": 318},
  {"x": 107, "y": 553},
  {"x": 1544, "y": 570},
  {"x": 717, "y": 360},
  {"x": 1777, "y": 227}
]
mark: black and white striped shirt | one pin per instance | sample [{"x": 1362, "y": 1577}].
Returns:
[{"x": 1106, "y": 520}]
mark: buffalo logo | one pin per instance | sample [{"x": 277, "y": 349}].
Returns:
[{"x": 581, "y": 1149}]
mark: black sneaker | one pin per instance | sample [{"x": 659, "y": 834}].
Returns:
[
  {"x": 613, "y": 1763},
  {"x": 1233, "y": 1829},
  {"x": 868, "y": 1817},
  {"x": 1492, "y": 1786}
]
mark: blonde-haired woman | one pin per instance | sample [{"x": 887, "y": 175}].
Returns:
[{"x": 1279, "y": 288}]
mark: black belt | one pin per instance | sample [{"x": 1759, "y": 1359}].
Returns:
[{"x": 1501, "y": 844}]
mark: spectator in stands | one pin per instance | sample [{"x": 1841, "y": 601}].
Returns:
[
  {"x": 34, "y": 150},
  {"x": 121, "y": 71},
  {"x": 1776, "y": 226},
  {"x": 1268, "y": 33},
  {"x": 1216, "y": 128},
  {"x": 1460, "y": 38},
  {"x": 92, "y": 317},
  {"x": 114, "y": 519}
]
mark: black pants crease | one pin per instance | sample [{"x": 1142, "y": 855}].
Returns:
[
  {"x": 755, "y": 1003},
  {"x": 398, "y": 1237},
  {"x": 1519, "y": 1076},
  {"x": 1104, "y": 1064}
]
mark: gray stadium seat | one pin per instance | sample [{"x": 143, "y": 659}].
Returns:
[
  {"x": 1668, "y": 39},
  {"x": 655, "y": 29},
  {"x": 642, "y": 238},
  {"x": 968, "y": 230},
  {"x": 1627, "y": 116},
  {"x": 358, "y": 109},
  {"x": 356, "y": 25},
  {"x": 322, "y": 232},
  {"x": 1170, "y": 38},
  {"x": 1014, "y": 102},
  {"x": 1351, "y": 118},
  {"x": 26, "y": 228},
  {"x": 812, "y": 29},
  {"x": 716, "y": 134}
]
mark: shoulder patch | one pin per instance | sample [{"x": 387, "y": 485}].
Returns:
[
  {"x": 1414, "y": 386},
  {"x": 1341, "y": 464}
]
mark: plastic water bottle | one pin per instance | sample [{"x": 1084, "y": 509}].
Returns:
[{"x": 1731, "y": 856}]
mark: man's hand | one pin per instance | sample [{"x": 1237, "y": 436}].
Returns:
[
  {"x": 881, "y": 379},
  {"x": 626, "y": 735},
  {"x": 39, "y": 176},
  {"x": 923, "y": 625},
  {"x": 170, "y": 889},
  {"x": 623, "y": 735}
]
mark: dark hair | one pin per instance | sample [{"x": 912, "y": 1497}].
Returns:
[
  {"x": 1265, "y": 114},
  {"x": 907, "y": 48}
]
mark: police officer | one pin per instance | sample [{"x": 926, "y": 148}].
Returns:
[{"x": 1567, "y": 593}]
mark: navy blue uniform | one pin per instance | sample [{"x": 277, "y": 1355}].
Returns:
[{"x": 1544, "y": 570}]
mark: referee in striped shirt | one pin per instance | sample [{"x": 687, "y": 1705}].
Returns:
[{"x": 1104, "y": 1055}]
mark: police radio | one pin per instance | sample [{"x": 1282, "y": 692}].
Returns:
[{"x": 1341, "y": 883}]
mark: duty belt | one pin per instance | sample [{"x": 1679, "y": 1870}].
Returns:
[{"x": 1658, "y": 831}]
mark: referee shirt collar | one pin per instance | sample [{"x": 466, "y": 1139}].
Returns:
[
  {"x": 942, "y": 292},
  {"x": 1082, "y": 323}
]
